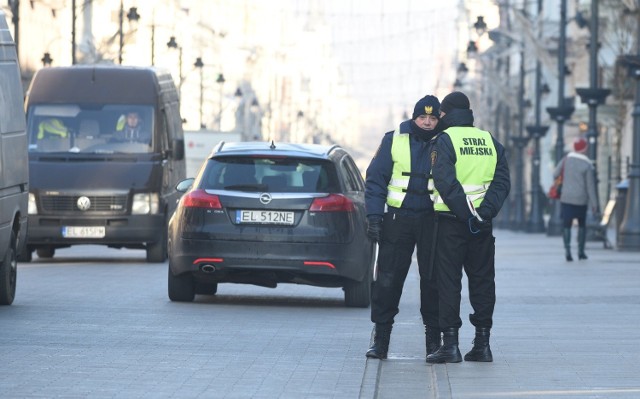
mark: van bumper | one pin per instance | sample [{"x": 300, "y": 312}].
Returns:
[{"x": 120, "y": 230}]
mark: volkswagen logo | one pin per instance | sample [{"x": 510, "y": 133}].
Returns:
[
  {"x": 265, "y": 198},
  {"x": 83, "y": 203}
]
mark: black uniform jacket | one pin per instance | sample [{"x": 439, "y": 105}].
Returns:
[
  {"x": 379, "y": 172},
  {"x": 443, "y": 157}
]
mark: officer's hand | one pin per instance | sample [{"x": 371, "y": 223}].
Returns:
[
  {"x": 374, "y": 228},
  {"x": 477, "y": 226},
  {"x": 484, "y": 213}
]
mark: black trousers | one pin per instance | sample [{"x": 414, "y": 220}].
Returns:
[
  {"x": 458, "y": 249},
  {"x": 400, "y": 235}
]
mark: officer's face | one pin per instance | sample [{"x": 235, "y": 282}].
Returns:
[
  {"x": 427, "y": 122},
  {"x": 132, "y": 119}
]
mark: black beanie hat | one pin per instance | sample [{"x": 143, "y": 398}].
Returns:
[
  {"x": 457, "y": 99},
  {"x": 427, "y": 105}
]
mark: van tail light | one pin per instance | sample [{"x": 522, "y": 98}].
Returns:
[
  {"x": 332, "y": 203},
  {"x": 201, "y": 199}
]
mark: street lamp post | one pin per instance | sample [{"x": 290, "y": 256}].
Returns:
[
  {"x": 73, "y": 32},
  {"x": 535, "y": 223},
  {"x": 560, "y": 114},
  {"x": 629, "y": 231},
  {"x": 220, "y": 80},
  {"x": 520, "y": 141},
  {"x": 593, "y": 96},
  {"x": 172, "y": 43},
  {"x": 200, "y": 65}
]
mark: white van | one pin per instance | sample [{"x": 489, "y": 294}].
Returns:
[{"x": 14, "y": 172}]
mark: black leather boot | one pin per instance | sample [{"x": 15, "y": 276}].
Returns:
[
  {"x": 481, "y": 352},
  {"x": 380, "y": 347},
  {"x": 582, "y": 238},
  {"x": 448, "y": 352},
  {"x": 566, "y": 238},
  {"x": 432, "y": 339}
]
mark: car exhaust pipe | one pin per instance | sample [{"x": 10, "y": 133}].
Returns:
[{"x": 208, "y": 268}]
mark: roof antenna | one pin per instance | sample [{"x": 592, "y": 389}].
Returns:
[{"x": 272, "y": 146}]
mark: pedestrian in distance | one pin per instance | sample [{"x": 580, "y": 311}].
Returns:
[
  {"x": 400, "y": 218},
  {"x": 471, "y": 182},
  {"x": 578, "y": 192}
]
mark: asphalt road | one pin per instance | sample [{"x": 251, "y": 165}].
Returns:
[{"x": 95, "y": 322}]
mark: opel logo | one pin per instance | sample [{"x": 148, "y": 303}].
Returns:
[
  {"x": 265, "y": 198},
  {"x": 84, "y": 203}
]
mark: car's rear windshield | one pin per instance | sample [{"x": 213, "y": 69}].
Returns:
[{"x": 285, "y": 174}]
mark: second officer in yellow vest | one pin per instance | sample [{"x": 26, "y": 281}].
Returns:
[
  {"x": 400, "y": 216},
  {"x": 471, "y": 178}
]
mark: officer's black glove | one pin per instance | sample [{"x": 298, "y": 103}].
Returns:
[
  {"x": 374, "y": 228},
  {"x": 477, "y": 226}
]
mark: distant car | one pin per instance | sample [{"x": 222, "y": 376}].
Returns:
[{"x": 263, "y": 213}]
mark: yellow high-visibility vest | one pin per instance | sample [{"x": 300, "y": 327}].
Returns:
[
  {"x": 52, "y": 126},
  {"x": 401, "y": 156},
  {"x": 476, "y": 160}
]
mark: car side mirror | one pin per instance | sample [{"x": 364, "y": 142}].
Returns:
[
  {"x": 177, "y": 149},
  {"x": 185, "y": 185}
]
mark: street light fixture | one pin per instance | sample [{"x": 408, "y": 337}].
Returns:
[
  {"x": 472, "y": 48},
  {"x": 480, "y": 26},
  {"x": 46, "y": 60}
]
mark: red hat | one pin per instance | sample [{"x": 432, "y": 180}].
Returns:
[{"x": 580, "y": 144}]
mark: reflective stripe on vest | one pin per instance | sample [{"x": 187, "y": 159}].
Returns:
[
  {"x": 401, "y": 156},
  {"x": 476, "y": 160}
]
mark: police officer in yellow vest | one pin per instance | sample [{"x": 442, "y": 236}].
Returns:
[
  {"x": 471, "y": 178},
  {"x": 400, "y": 217}
]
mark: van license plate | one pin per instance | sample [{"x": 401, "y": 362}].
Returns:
[
  {"x": 265, "y": 217},
  {"x": 83, "y": 231}
]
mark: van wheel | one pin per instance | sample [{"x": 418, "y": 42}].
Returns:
[
  {"x": 157, "y": 251},
  {"x": 46, "y": 252},
  {"x": 182, "y": 288},
  {"x": 9, "y": 273}
]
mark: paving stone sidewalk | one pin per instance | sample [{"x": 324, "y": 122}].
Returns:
[{"x": 561, "y": 330}]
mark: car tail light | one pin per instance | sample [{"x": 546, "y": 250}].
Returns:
[
  {"x": 324, "y": 264},
  {"x": 332, "y": 203},
  {"x": 201, "y": 199}
]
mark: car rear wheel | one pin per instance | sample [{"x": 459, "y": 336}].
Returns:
[
  {"x": 182, "y": 288},
  {"x": 46, "y": 252},
  {"x": 357, "y": 294},
  {"x": 8, "y": 273}
]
